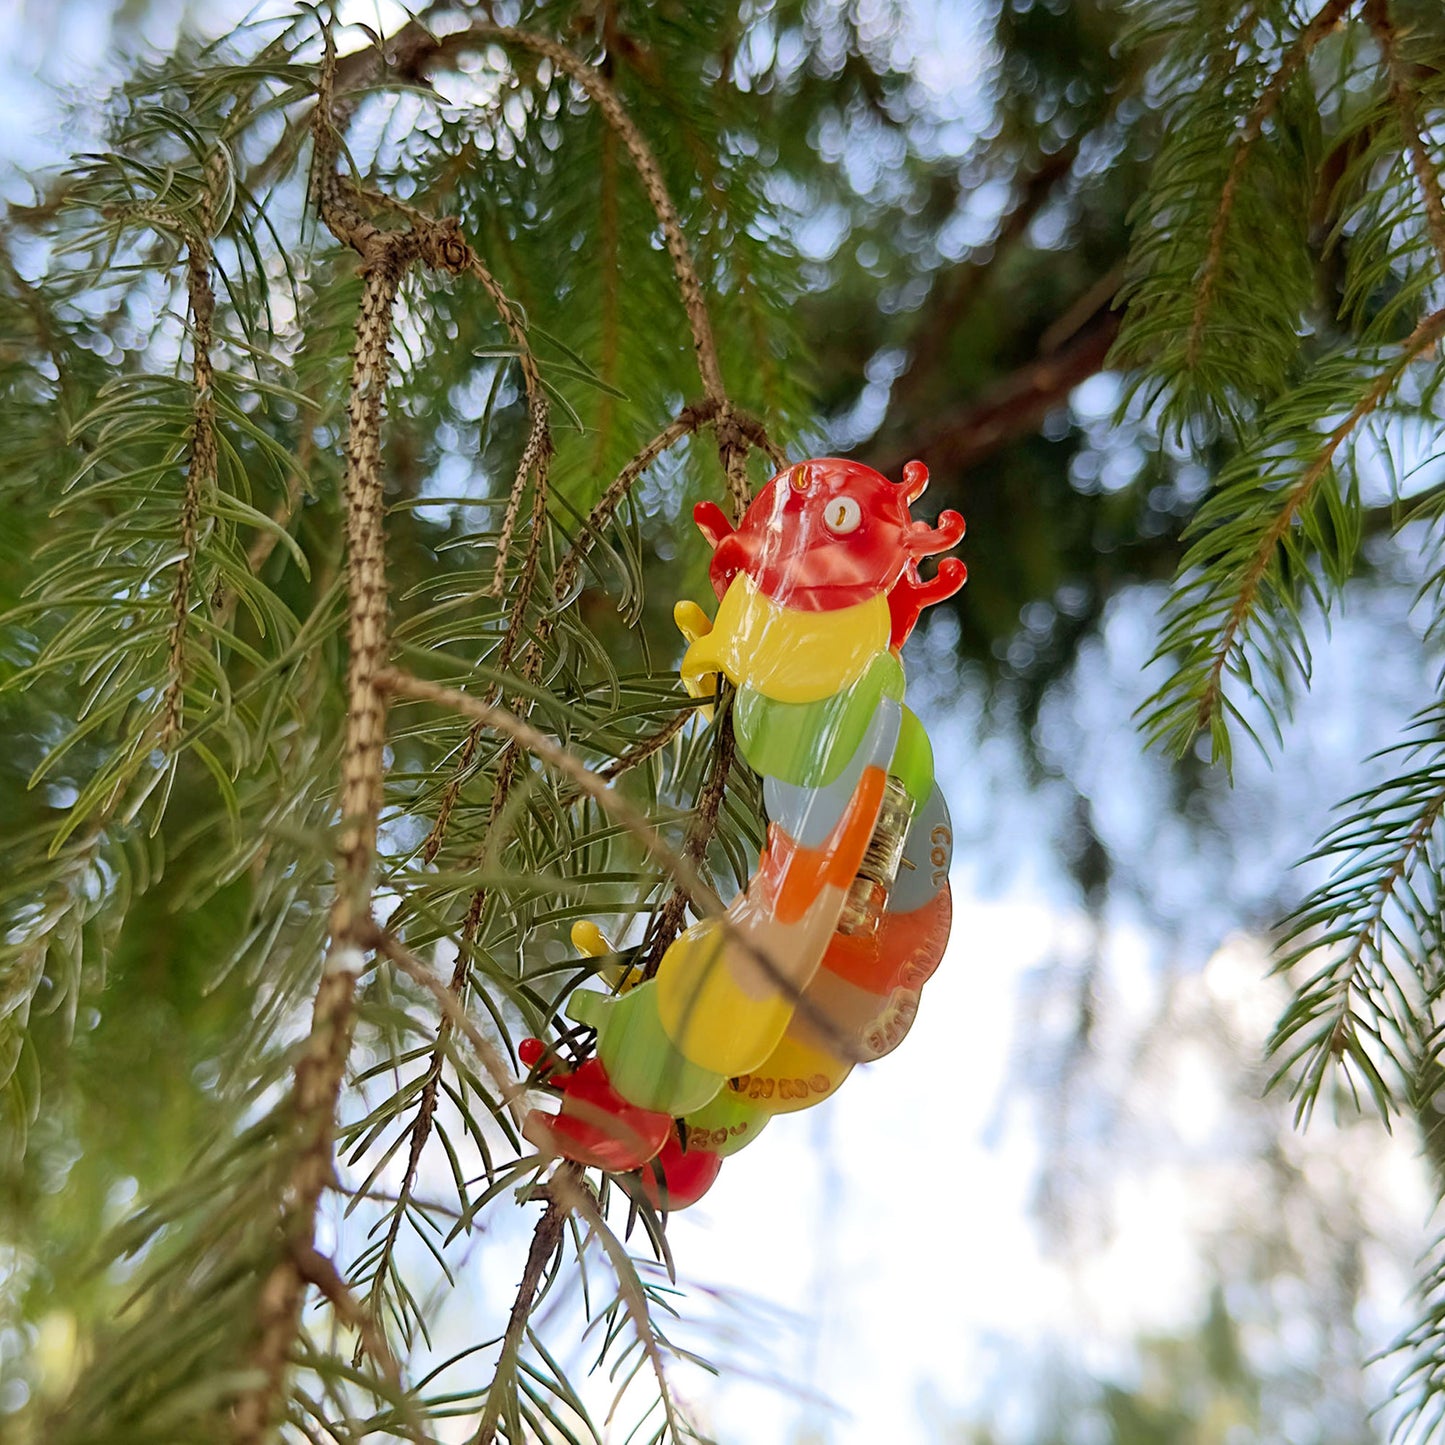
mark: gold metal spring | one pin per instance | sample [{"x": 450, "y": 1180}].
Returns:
[{"x": 878, "y": 870}]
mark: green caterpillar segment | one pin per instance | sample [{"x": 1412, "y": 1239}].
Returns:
[
  {"x": 724, "y": 1126},
  {"x": 912, "y": 761},
  {"x": 643, "y": 1063},
  {"x": 810, "y": 743}
]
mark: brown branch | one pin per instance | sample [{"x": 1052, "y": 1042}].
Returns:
[
  {"x": 317, "y": 1269},
  {"x": 1012, "y": 408},
  {"x": 957, "y": 289},
  {"x": 1402, "y": 97},
  {"x": 546, "y": 1242},
  {"x": 557, "y": 758},
  {"x": 385, "y": 257},
  {"x": 538, "y": 449},
  {"x": 1324, "y": 22},
  {"x": 1425, "y": 335},
  {"x": 575, "y": 1196},
  {"x": 649, "y": 747},
  {"x": 668, "y": 921}
]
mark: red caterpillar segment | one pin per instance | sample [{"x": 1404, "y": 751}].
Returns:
[
  {"x": 596, "y": 1125},
  {"x": 831, "y": 533},
  {"x": 678, "y": 1177}
]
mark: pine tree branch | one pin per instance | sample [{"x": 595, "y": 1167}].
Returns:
[
  {"x": 1323, "y": 23},
  {"x": 418, "y": 51},
  {"x": 557, "y": 758},
  {"x": 649, "y": 747},
  {"x": 1402, "y": 97},
  {"x": 386, "y": 257},
  {"x": 318, "y": 1270},
  {"x": 673, "y": 862},
  {"x": 414, "y": 51},
  {"x": 668, "y": 921},
  {"x": 535, "y": 454},
  {"x": 546, "y": 1242},
  {"x": 454, "y": 1013},
  {"x": 201, "y": 467},
  {"x": 576, "y": 1197},
  {"x": 1425, "y": 335},
  {"x": 1336, "y": 1036},
  {"x": 689, "y": 420}
]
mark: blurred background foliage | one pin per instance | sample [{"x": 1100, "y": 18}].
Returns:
[{"x": 916, "y": 221}]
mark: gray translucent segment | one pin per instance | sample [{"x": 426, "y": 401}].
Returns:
[{"x": 808, "y": 815}]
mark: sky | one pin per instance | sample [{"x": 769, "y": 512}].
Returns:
[{"x": 877, "y": 1269}]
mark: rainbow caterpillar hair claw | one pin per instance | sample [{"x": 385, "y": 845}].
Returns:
[{"x": 820, "y": 961}]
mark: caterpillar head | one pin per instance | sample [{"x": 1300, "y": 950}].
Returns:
[{"x": 829, "y": 533}]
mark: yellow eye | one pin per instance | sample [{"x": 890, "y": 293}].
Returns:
[{"x": 842, "y": 515}]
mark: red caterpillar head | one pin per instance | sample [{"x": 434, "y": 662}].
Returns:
[{"x": 830, "y": 533}]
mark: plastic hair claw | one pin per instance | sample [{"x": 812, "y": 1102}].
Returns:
[{"x": 820, "y": 962}]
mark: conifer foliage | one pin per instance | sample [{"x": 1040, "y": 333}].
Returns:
[
  {"x": 346, "y": 390},
  {"x": 1285, "y": 299},
  {"x": 301, "y": 422}
]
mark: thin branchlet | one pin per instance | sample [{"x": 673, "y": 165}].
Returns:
[
  {"x": 546, "y": 1242},
  {"x": 1403, "y": 99},
  {"x": 201, "y": 464},
  {"x": 673, "y": 862},
  {"x": 668, "y": 921}
]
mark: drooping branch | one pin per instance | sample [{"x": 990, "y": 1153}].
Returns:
[
  {"x": 674, "y": 863},
  {"x": 668, "y": 921},
  {"x": 412, "y": 54},
  {"x": 546, "y": 1241},
  {"x": 386, "y": 256}
]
